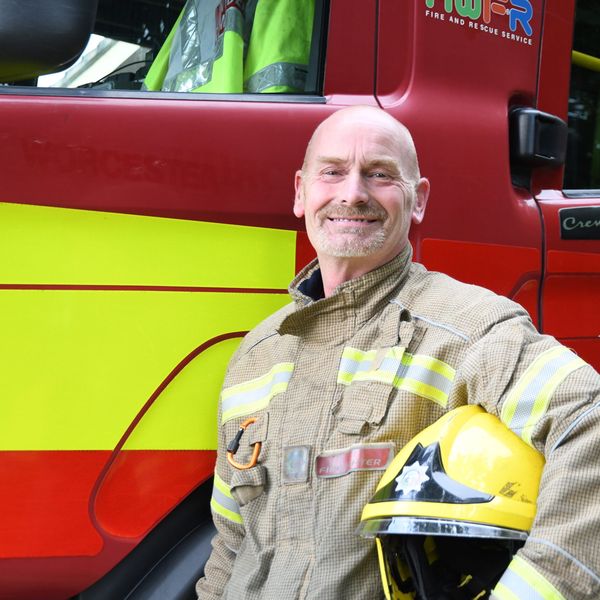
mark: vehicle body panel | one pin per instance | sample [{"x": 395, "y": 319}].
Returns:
[
  {"x": 570, "y": 294},
  {"x": 456, "y": 84},
  {"x": 144, "y": 233}
]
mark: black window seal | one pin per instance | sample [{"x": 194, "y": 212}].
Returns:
[
  {"x": 142, "y": 95},
  {"x": 316, "y": 62},
  {"x": 581, "y": 193}
]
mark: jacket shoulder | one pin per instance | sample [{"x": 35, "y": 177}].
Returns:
[
  {"x": 468, "y": 308},
  {"x": 265, "y": 329}
]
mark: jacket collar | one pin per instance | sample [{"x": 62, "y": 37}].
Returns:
[{"x": 336, "y": 318}]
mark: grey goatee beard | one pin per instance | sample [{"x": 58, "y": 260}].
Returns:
[{"x": 357, "y": 242}]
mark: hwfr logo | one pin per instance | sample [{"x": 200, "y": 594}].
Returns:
[{"x": 519, "y": 12}]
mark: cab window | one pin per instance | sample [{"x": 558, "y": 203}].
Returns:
[
  {"x": 582, "y": 169},
  {"x": 200, "y": 46}
]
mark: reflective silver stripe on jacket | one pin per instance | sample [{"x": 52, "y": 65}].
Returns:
[
  {"x": 423, "y": 375},
  {"x": 292, "y": 75},
  {"x": 528, "y": 401},
  {"x": 222, "y": 501},
  {"x": 522, "y": 581},
  {"x": 254, "y": 395},
  {"x": 197, "y": 45}
]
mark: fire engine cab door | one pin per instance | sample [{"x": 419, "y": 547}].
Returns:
[
  {"x": 569, "y": 86},
  {"x": 140, "y": 233},
  {"x": 451, "y": 71}
]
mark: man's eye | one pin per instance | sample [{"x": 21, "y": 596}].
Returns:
[
  {"x": 379, "y": 175},
  {"x": 331, "y": 172}
]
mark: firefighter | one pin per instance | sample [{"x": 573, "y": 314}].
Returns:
[{"x": 371, "y": 351}]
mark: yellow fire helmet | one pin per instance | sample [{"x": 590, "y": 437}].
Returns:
[{"x": 453, "y": 507}]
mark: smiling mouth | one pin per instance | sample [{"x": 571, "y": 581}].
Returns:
[{"x": 350, "y": 220}]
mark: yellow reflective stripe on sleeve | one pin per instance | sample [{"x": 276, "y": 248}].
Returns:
[
  {"x": 222, "y": 501},
  {"x": 432, "y": 364},
  {"x": 422, "y": 375},
  {"x": 528, "y": 401},
  {"x": 510, "y": 405},
  {"x": 423, "y": 390},
  {"x": 521, "y": 580},
  {"x": 248, "y": 397},
  {"x": 501, "y": 592},
  {"x": 358, "y": 355}
]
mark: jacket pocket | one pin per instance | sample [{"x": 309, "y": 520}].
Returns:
[
  {"x": 248, "y": 485},
  {"x": 363, "y": 406}
]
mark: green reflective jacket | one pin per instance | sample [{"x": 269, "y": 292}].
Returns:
[{"x": 236, "y": 46}]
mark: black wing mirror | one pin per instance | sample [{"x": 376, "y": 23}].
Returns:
[{"x": 42, "y": 36}]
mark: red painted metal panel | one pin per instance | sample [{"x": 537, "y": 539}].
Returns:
[
  {"x": 44, "y": 503},
  {"x": 554, "y": 76},
  {"x": 54, "y": 578},
  {"x": 571, "y": 289},
  {"x": 452, "y": 80},
  {"x": 515, "y": 277},
  {"x": 571, "y": 305},
  {"x": 214, "y": 161},
  {"x": 45, "y": 497},
  {"x": 304, "y": 251},
  {"x": 51, "y": 545},
  {"x": 144, "y": 485},
  {"x": 224, "y": 161},
  {"x": 349, "y": 70}
]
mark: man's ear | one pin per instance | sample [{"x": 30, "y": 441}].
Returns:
[
  {"x": 299, "y": 197},
  {"x": 421, "y": 197}
]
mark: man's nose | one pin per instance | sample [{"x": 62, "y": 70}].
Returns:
[{"x": 354, "y": 190}]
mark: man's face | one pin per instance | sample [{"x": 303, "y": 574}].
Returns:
[{"x": 355, "y": 193}]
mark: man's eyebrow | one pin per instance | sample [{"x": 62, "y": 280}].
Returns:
[
  {"x": 389, "y": 163},
  {"x": 386, "y": 163},
  {"x": 331, "y": 160}
]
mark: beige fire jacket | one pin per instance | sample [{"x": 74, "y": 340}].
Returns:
[{"x": 340, "y": 384}]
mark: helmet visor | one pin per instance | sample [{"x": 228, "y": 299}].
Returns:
[{"x": 438, "y": 527}]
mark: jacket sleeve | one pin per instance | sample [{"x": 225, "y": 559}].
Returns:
[
  {"x": 549, "y": 397},
  {"x": 228, "y": 521}
]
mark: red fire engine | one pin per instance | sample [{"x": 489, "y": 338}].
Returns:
[{"x": 143, "y": 232}]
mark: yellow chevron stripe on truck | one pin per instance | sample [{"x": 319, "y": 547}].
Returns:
[
  {"x": 56, "y": 245},
  {"x": 78, "y": 365}
]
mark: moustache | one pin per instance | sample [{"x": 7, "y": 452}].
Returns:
[{"x": 352, "y": 212}]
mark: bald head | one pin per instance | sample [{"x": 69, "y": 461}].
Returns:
[
  {"x": 376, "y": 118},
  {"x": 358, "y": 191}
]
